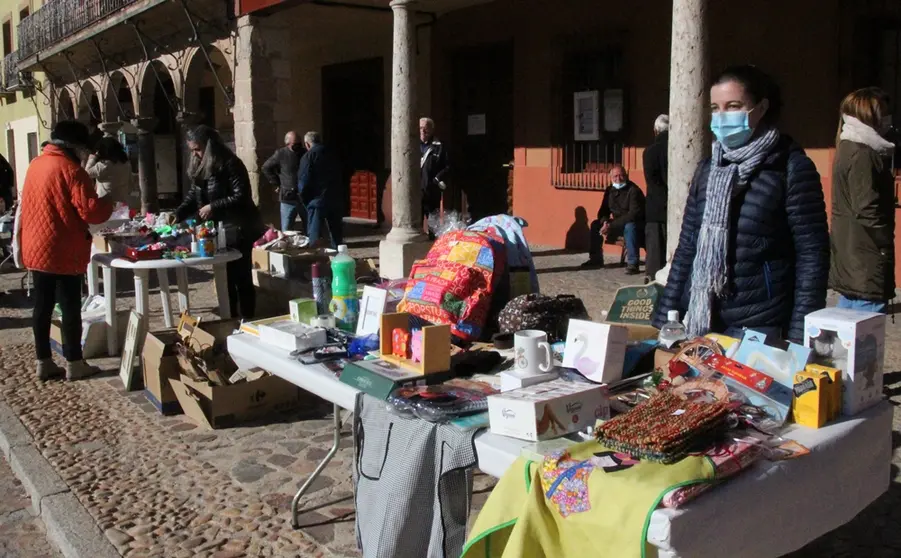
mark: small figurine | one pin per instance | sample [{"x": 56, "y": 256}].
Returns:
[
  {"x": 400, "y": 343},
  {"x": 417, "y": 345}
]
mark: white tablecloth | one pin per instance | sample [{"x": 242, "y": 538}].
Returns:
[{"x": 768, "y": 511}]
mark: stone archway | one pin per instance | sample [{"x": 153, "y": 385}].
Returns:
[
  {"x": 118, "y": 100},
  {"x": 203, "y": 94},
  {"x": 158, "y": 141},
  {"x": 65, "y": 107},
  {"x": 89, "y": 110}
]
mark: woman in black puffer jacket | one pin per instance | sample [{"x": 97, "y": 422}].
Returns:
[
  {"x": 754, "y": 246},
  {"x": 220, "y": 192}
]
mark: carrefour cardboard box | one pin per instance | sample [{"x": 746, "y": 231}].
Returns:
[
  {"x": 93, "y": 334},
  {"x": 160, "y": 365},
  {"x": 226, "y": 406},
  {"x": 297, "y": 264}
]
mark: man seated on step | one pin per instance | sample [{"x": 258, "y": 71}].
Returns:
[{"x": 621, "y": 215}]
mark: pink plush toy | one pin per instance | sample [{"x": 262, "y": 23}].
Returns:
[{"x": 417, "y": 345}]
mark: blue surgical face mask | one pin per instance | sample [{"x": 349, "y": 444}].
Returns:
[
  {"x": 619, "y": 185},
  {"x": 731, "y": 128}
]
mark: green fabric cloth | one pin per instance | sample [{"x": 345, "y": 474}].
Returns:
[{"x": 587, "y": 501}]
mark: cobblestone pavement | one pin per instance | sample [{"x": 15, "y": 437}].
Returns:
[
  {"x": 21, "y": 534},
  {"x": 162, "y": 486}
]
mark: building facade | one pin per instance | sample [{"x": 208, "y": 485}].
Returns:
[
  {"x": 534, "y": 99},
  {"x": 24, "y": 108}
]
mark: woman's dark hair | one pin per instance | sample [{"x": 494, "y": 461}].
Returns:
[
  {"x": 759, "y": 85},
  {"x": 109, "y": 149},
  {"x": 215, "y": 152}
]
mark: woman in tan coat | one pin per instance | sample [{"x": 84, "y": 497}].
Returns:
[
  {"x": 109, "y": 167},
  {"x": 863, "y": 204}
]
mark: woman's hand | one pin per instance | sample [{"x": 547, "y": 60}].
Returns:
[{"x": 205, "y": 212}]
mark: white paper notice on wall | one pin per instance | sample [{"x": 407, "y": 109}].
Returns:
[
  {"x": 613, "y": 110},
  {"x": 476, "y": 125},
  {"x": 586, "y": 125}
]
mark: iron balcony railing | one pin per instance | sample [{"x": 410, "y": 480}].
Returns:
[
  {"x": 11, "y": 81},
  {"x": 57, "y": 20}
]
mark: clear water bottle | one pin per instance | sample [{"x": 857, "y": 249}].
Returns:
[{"x": 673, "y": 331}]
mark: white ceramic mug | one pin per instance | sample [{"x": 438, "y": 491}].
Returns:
[{"x": 528, "y": 346}]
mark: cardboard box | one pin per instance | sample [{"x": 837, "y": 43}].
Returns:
[
  {"x": 226, "y": 406},
  {"x": 160, "y": 364},
  {"x": 852, "y": 341},
  {"x": 208, "y": 339},
  {"x": 781, "y": 365},
  {"x": 597, "y": 351},
  {"x": 101, "y": 244},
  {"x": 259, "y": 258},
  {"x": 810, "y": 406},
  {"x": 296, "y": 264},
  {"x": 547, "y": 410},
  {"x": 93, "y": 334},
  {"x": 303, "y": 310},
  {"x": 292, "y": 336},
  {"x": 253, "y": 328},
  {"x": 834, "y": 383},
  {"x": 379, "y": 378}
]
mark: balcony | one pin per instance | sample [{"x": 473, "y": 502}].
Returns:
[{"x": 11, "y": 80}]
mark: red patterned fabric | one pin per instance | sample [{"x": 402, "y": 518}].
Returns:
[
  {"x": 454, "y": 284},
  {"x": 58, "y": 203}
]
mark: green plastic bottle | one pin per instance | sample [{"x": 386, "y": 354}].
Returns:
[{"x": 345, "y": 305}]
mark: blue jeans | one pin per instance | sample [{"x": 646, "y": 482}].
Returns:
[
  {"x": 860, "y": 304},
  {"x": 630, "y": 235},
  {"x": 289, "y": 212},
  {"x": 316, "y": 215}
]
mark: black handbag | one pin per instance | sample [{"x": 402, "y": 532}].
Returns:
[{"x": 544, "y": 313}]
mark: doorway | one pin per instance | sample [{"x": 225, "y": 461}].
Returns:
[
  {"x": 353, "y": 125},
  {"x": 481, "y": 148}
]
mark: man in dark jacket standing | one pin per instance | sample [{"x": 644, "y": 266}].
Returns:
[
  {"x": 281, "y": 170},
  {"x": 434, "y": 168},
  {"x": 319, "y": 186},
  {"x": 655, "y": 169},
  {"x": 621, "y": 215}
]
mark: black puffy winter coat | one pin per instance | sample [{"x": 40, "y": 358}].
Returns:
[
  {"x": 228, "y": 193},
  {"x": 778, "y": 247}
]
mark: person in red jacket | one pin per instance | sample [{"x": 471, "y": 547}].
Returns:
[{"x": 59, "y": 201}]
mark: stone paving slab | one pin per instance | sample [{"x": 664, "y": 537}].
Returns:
[{"x": 21, "y": 534}]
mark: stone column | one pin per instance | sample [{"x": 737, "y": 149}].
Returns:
[
  {"x": 406, "y": 242},
  {"x": 147, "y": 164},
  {"x": 687, "y": 109},
  {"x": 110, "y": 129},
  {"x": 264, "y": 99}
]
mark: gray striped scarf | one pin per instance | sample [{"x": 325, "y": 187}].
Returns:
[{"x": 709, "y": 271}]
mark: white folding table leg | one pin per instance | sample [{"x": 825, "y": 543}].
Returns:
[
  {"x": 319, "y": 468},
  {"x": 142, "y": 296},
  {"x": 184, "y": 300},
  {"x": 163, "y": 277},
  {"x": 220, "y": 276},
  {"x": 93, "y": 279},
  {"x": 112, "y": 325}
]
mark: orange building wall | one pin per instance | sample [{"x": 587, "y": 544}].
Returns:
[{"x": 804, "y": 44}]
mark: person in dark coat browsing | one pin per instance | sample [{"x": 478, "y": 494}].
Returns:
[
  {"x": 319, "y": 186},
  {"x": 433, "y": 169},
  {"x": 754, "y": 247},
  {"x": 621, "y": 215},
  {"x": 655, "y": 170},
  {"x": 281, "y": 171}
]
